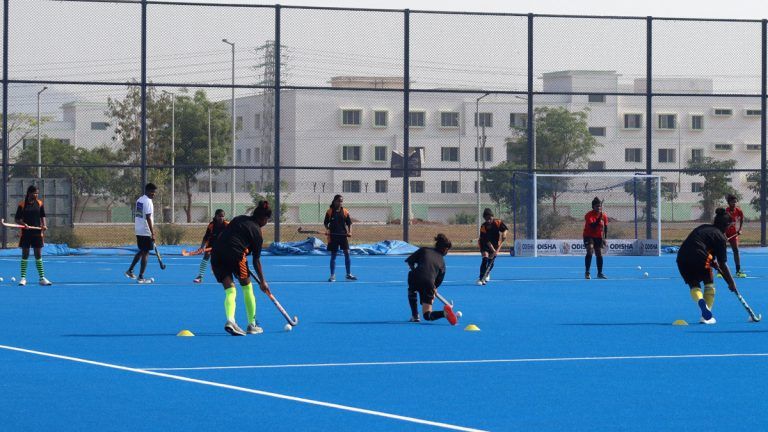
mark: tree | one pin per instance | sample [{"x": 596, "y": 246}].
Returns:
[
  {"x": 563, "y": 142},
  {"x": 20, "y": 126},
  {"x": 269, "y": 196},
  {"x": 717, "y": 182},
  {"x": 755, "y": 181}
]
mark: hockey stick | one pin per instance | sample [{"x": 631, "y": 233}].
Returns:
[
  {"x": 200, "y": 251},
  {"x": 15, "y": 225},
  {"x": 159, "y": 258},
  {"x": 752, "y": 316},
  {"x": 442, "y": 299},
  {"x": 292, "y": 321},
  {"x": 302, "y": 231}
]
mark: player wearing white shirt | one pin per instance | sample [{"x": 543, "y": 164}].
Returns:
[{"x": 143, "y": 214}]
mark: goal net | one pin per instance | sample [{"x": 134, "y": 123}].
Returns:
[{"x": 562, "y": 200}]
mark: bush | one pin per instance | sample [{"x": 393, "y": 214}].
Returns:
[
  {"x": 550, "y": 224},
  {"x": 171, "y": 234},
  {"x": 463, "y": 219},
  {"x": 61, "y": 235}
]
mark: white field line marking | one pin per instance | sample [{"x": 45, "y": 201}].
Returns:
[
  {"x": 247, "y": 390},
  {"x": 441, "y": 362}
]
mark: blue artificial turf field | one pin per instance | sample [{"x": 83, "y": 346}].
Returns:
[{"x": 555, "y": 352}]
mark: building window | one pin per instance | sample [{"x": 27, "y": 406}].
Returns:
[
  {"x": 633, "y": 121},
  {"x": 597, "y": 131},
  {"x": 753, "y": 147},
  {"x": 239, "y": 123},
  {"x": 350, "y": 153},
  {"x": 667, "y": 121},
  {"x": 518, "y": 120},
  {"x": 28, "y": 142},
  {"x": 64, "y": 141},
  {"x": 697, "y": 122},
  {"x": 596, "y": 165},
  {"x": 239, "y": 156},
  {"x": 449, "y": 186},
  {"x": 667, "y": 155},
  {"x": 668, "y": 187},
  {"x": 725, "y": 112},
  {"x": 633, "y": 155},
  {"x": 380, "y": 119},
  {"x": 350, "y": 186},
  {"x": 449, "y": 119},
  {"x": 248, "y": 155},
  {"x": 351, "y": 117},
  {"x": 486, "y": 119},
  {"x": 417, "y": 119},
  {"x": 488, "y": 154},
  {"x": 202, "y": 186},
  {"x": 382, "y": 186},
  {"x": 257, "y": 121},
  {"x": 257, "y": 155},
  {"x": 449, "y": 154},
  {"x": 99, "y": 125},
  {"x": 483, "y": 187},
  {"x": 696, "y": 187},
  {"x": 417, "y": 186},
  {"x": 697, "y": 155},
  {"x": 380, "y": 154},
  {"x": 596, "y": 98},
  {"x": 724, "y": 147},
  {"x": 753, "y": 112}
]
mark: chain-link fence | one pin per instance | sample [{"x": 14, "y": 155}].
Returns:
[{"x": 419, "y": 119}]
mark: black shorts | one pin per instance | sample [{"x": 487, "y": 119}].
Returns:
[
  {"x": 597, "y": 242},
  {"x": 338, "y": 241},
  {"x": 695, "y": 273},
  {"x": 426, "y": 289},
  {"x": 223, "y": 265},
  {"x": 31, "y": 240},
  {"x": 144, "y": 243}
]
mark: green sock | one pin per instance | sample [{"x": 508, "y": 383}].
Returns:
[
  {"x": 39, "y": 264},
  {"x": 203, "y": 266},
  {"x": 23, "y": 267},
  {"x": 250, "y": 303},
  {"x": 229, "y": 303}
]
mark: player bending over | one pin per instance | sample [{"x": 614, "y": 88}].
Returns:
[
  {"x": 31, "y": 212},
  {"x": 229, "y": 257},
  {"x": 493, "y": 232},
  {"x": 427, "y": 273},
  {"x": 703, "y": 250},
  {"x": 215, "y": 227}
]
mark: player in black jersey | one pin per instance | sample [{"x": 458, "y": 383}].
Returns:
[
  {"x": 338, "y": 227},
  {"x": 493, "y": 232},
  {"x": 703, "y": 250},
  {"x": 241, "y": 237},
  {"x": 215, "y": 227},
  {"x": 427, "y": 273},
  {"x": 31, "y": 212}
]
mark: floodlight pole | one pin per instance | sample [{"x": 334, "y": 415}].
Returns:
[
  {"x": 478, "y": 155},
  {"x": 234, "y": 179},
  {"x": 173, "y": 155},
  {"x": 39, "y": 147},
  {"x": 210, "y": 170}
]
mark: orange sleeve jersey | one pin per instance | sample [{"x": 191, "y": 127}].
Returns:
[
  {"x": 594, "y": 224},
  {"x": 212, "y": 232},
  {"x": 737, "y": 218}
]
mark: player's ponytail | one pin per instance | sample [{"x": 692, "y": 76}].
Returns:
[
  {"x": 335, "y": 198},
  {"x": 722, "y": 219},
  {"x": 442, "y": 242},
  {"x": 262, "y": 210},
  {"x": 30, "y": 190}
]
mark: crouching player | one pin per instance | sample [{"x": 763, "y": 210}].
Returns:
[
  {"x": 229, "y": 257},
  {"x": 427, "y": 273},
  {"x": 702, "y": 251}
]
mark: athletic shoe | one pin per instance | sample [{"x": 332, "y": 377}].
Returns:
[
  {"x": 351, "y": 277},
  {"x": 129, "y": 274},
  {"x": 601, "y": 276},
  {"x": 45, "y": 282},
  {"x": 449, "y": 315},
  {"x": 142, "y": 280},
  {"x": 719, "y": 275},
  {"x": 587, "y": 276},
  {"x": 23, "y": 282},
  {"x": 487, "y": 278},
  {"x": 706, "y": 314},
  {"x": 332, "y": 278},
  {"x": 741, "y": 274},
  {"x": 254, "y": 328},
  {"x": 198, "y": 279},
  {"x": 415, "y": 319},
  {"x": 708, "y": 322},
  {"x": 480, "y": 281},
  {"x": 232, "y": 328}
]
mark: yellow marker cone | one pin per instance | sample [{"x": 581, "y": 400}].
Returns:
[
  {"x": 680, "y": 323},
  {"x": 471, "y": 327},
  {"x": 185, "y": 333}
]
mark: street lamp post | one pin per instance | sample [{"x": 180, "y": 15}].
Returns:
[
  {"x": 232, "y": 197},
  {"x": 210, "y": 170},
  {"x": 173, "y": 155},
  {"x": 39, "y": 147},
  {"x": 478, "y": 155}
]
